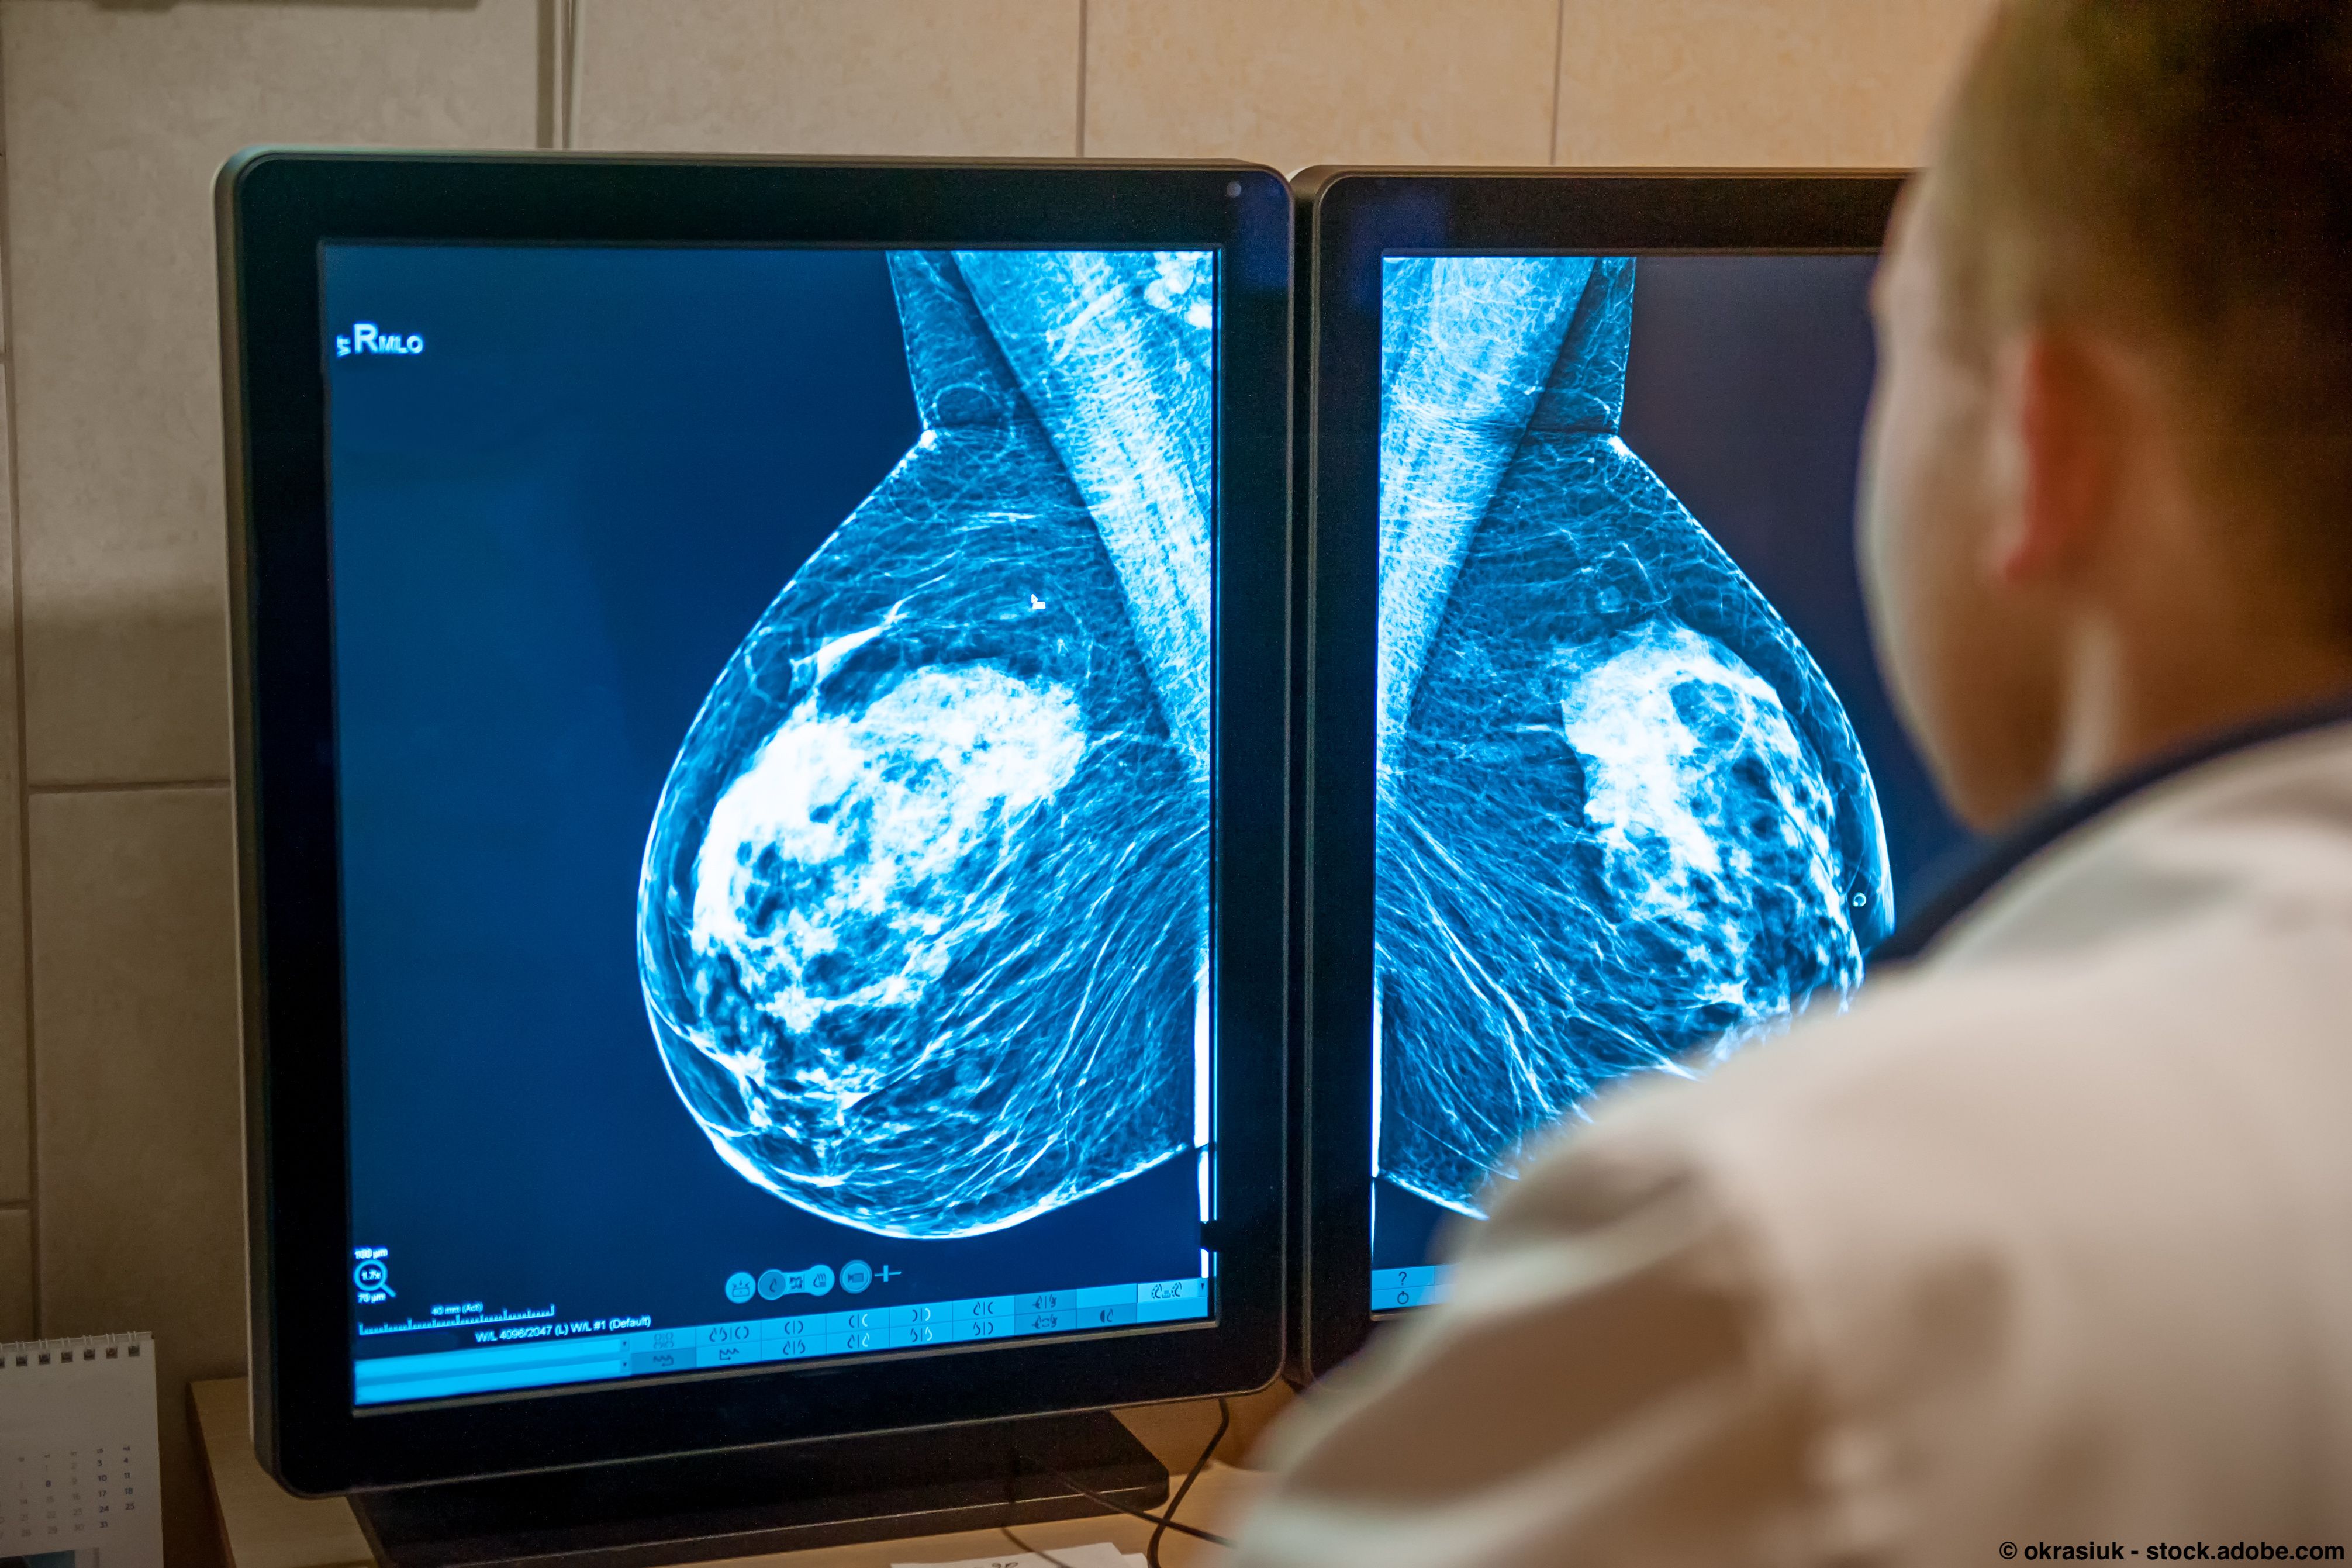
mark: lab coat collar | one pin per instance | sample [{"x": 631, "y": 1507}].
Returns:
[{"x": 2009, "y": 854}]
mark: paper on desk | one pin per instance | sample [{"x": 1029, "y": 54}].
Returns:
[{"x": 1096, "y": 1554}]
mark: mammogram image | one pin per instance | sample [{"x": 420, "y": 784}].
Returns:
[
  {"x": 1622, "y": 818},
  {"x": 923, "y": 921}
]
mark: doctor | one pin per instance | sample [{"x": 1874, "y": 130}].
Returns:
[{"x": 2047, "y": 1242}]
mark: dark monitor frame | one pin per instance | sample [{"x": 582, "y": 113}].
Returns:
[
  {"x": 1348, "y": 220},
  {"x": 275, "y": 209}
]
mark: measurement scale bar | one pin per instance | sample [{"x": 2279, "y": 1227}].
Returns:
[{"x": 413, "y": 1326}]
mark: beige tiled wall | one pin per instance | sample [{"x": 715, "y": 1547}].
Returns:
[
  {"x": 115, "y": 118},
  {"x": 15, "y": 1056},
  {"x": 135, "y": 1007},
  {"x": 17, "y": 1318},
  {"x": 901, "y": 77},
  {"x": 1322, "y": 82},
  {"x": 1738, "y": 82},
  {"x": 119, "y": 1136}
]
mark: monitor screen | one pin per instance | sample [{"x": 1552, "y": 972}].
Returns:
[
  {"x": 1641, "y": 799},
  {"x": 774, "y": 798}
]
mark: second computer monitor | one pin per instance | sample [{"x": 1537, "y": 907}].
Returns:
[{"x": 1604, "y": 778}]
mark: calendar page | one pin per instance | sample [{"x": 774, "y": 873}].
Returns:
[{"x": 78, "y": 1454}]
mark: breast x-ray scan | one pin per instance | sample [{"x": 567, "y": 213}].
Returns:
[
  {"x": 773, "y": 693},
  {"x": 924, "y": 922},
  {"x": 1631, "y": 805}
]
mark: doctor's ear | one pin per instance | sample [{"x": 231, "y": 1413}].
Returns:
[{"x": 2062, "y": 424}]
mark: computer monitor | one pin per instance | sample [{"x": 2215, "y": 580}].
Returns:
[
  {"x": 760, "y": 736},
  {"x": 1602, "y": 779}
]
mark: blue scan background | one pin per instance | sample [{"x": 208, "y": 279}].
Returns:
[
  {"x": 550, "y": 531},
  {"x": 1747, "y": 382}
]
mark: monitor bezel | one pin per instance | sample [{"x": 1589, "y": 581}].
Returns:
[
  {"x": 275, "y": 209},
  {"x": 1349, "y": 218}
]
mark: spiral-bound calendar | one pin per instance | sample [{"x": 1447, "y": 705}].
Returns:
[{"x": 78, "y": 1454}]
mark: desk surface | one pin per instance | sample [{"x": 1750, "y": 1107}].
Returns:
[{"x": 263, "y": 1527}]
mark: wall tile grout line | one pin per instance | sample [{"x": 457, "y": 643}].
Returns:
[
  {"x": 1558, "y": 73},
  {"x": 544, "y": 124},
  {"x": 568, "y": 14},
  {"x": 23, "y": 957},
  {"x": 127, "y": 786},
  {"x": 1083, "y": 7}
]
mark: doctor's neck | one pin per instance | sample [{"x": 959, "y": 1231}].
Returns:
[
  {"x": 2184, "y": 597},
  {"x": 2131, "y": 695}
]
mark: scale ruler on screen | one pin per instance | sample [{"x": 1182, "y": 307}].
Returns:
[
  {"x": 77, "y": 1484},
  {"x": 487, "y": 1320}
]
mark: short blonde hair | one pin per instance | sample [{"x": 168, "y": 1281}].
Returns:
[{"x": 2183, "y": 169}]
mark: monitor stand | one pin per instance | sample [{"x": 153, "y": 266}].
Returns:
[{"x": 741, "y": 1502}]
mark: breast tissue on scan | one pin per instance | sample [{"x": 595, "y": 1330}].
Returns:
[
  {"x": 922, "y": 922},
  {"x": 1623, "y": 820}
]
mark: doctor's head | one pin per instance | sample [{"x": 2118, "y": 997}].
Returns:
[{"x": 2108, "y": 480}]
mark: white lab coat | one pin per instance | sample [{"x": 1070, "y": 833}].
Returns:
[{"x": 2047, "y": 1240}]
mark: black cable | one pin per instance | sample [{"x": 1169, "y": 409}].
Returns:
[
  {"x": 1160, "y": 1523},
  {"x": 1115, "y": 1506},
  {"x": 1167, "y": 1520}
]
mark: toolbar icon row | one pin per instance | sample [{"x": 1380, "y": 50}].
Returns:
[{"x": 817, "y": 1280}]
